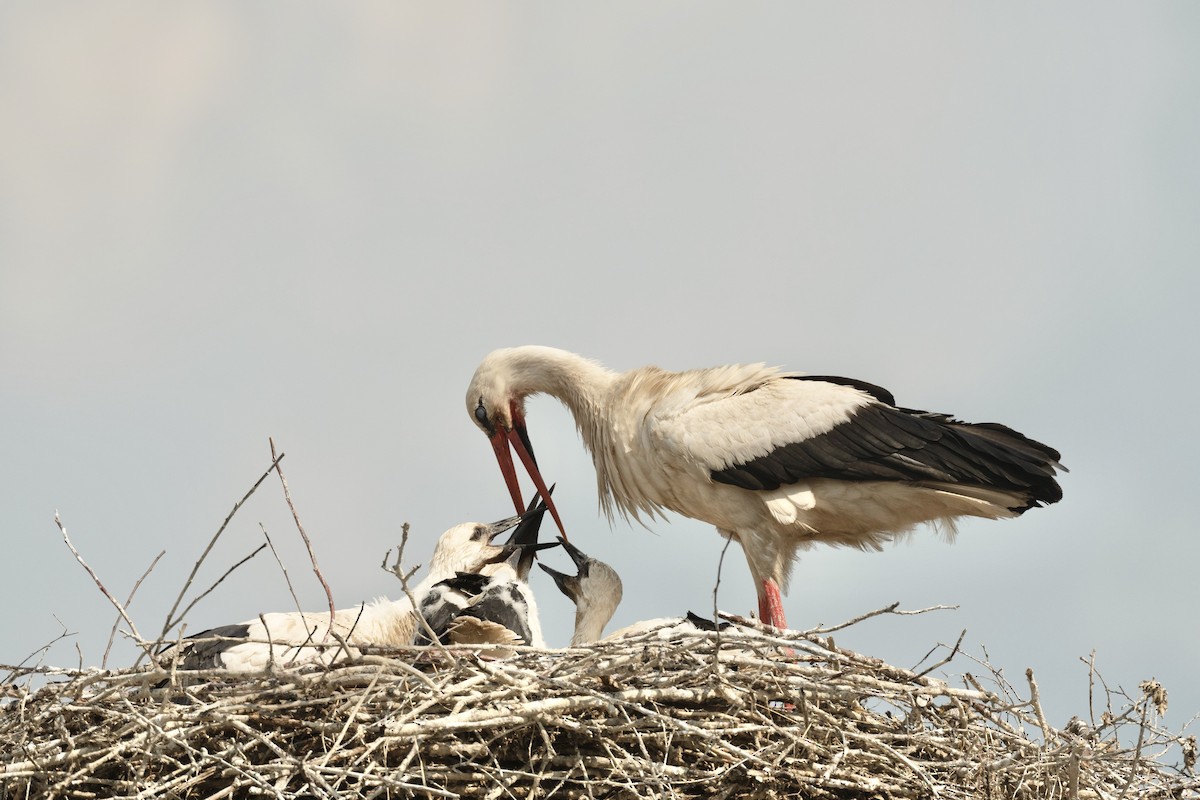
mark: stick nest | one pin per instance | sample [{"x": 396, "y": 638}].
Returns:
[{"x": 736, "y": 713}]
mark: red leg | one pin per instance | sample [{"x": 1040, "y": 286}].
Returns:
[{"x": 770, "y": 605}]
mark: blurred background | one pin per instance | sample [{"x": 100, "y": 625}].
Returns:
[{"x": 225, "y": 222}]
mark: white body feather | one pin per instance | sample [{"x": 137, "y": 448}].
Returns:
[{"x": 290, "y": 638}]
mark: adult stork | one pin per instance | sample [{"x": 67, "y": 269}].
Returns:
[
  {"x": 288, "y": 638},
  {"x": 778, "y": 461}
]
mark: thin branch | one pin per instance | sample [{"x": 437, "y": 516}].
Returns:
[
  {"x": 716, "y": 586},
  {"x": 1035, "y": 700},
  {"x": 120, "y": 609},
  {"x": 41, "y": 651},
  {"x": 421, "y": 622},
  {"x": 219, "y": 581},
  {"x": 1137, "y": 753},
  {"x": 287, "y": 494},
  {"x": 171, "y": 620},
  {"x": 282, "y": 568},
  {"x": 395, "y": 569},
  {"x": 1091, "y": 688},
  {"x": 946, "y": 660},
  {"x": 113, "y": 633},
  {"x": 891, "y": 609}
]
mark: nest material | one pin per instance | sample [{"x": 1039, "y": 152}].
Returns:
[{"x": 738, "y": 713}]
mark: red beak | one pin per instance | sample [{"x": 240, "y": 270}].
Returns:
[{"x": 518, "y": 439}]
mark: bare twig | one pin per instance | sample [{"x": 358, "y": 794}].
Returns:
[
  {"x": 287, "y": 494},
  {"x": 715, "y": 611},
  {"x": 894, "y": 608},
  {"x": 1035, "y": 700},
  {"x": 40, "y": 653},
  {"x": 128, "y": 600},
  {"x": 412, "y": 600},
  {"x": 1137, "y": 753},
  {"x": 171, "y": 620},
  {"x": 270, "y": 641},
  {"x": 1091, "y": 662},
  {"x": 220, "y": 580},
  {"x": 396, "y": 569},
  {"x": 282, "y": 568},
  {"x": 116, "y": 604},
  {"x": 946, "y": 660}
]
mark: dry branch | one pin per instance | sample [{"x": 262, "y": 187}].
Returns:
[
  {"x": 312, "y": 556},
  {"x": 172, "y": 620}
]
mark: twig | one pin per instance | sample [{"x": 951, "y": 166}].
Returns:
[
  {"x": 40, "y": 651},
  {"x": 1091, "y": 688},
  {"x": 220, "y": 580},
  {"x": 308, "y": 544},
  {"x": 282, "y": 568},
  {"x": 1036, "y": 701},
  {"x": 395, "y": 568},
  {"x": 946, "y": 660},
  {"x": 120, "y": 609},
  {"x": 113, "y": 633},
  {"x": 270, "y": 642},
  {"x": 1137, "y": 753},
  {"x": 412, "y": 600},
  {"x": 171, "y": 620},
  {"x": 716, "y": 586},
  {"x": 891, "y": 609}
]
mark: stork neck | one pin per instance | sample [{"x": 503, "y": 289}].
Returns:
[
  {"x": 588, "y": 628},
  {"x": 593, "y": 612},
  {"x": 582, "y": 385},
  {"x": 577, "y": 381}
]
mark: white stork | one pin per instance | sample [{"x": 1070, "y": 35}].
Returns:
[
  {"x": 288, "y": 638},
  {"x": 778, "y": 461}
]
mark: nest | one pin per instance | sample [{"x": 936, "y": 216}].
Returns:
[{"x": 736, "y": 713}]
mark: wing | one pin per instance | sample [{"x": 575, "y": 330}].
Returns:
[
  {"x": 205, "y": 650},
  {"x": 879, "y": 442},
  {"x": 504, "y": 604},
  {"x": 444, "y": 602},
  {"x": 469, "y": 630},
  {"x": 720, "y": 425}
]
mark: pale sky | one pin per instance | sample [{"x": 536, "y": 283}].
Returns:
[{"x": 222, "y": 222}]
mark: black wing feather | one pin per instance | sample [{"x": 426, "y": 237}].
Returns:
[
  {"x": 504, "y": 604},
  {"x": 203, "y": 650},
  {"x": 882, "y": 442}
]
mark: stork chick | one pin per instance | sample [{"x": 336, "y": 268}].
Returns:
[
  {"x": 595, "y": 590},
  {"x": 496, "y": 607},
  {"x": 288, "y": 638}
]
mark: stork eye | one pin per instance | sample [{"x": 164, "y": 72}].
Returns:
[
  {"x": 481, "y": 413},
  {"x": 478, "y": 533}
]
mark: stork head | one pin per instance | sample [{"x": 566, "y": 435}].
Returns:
[
  {"x": 468, "y": 546},
  {"x": 595, "y": 589},
  {"x": 496, "y": 403}
]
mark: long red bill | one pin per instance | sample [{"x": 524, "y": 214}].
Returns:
[
  {"x": 517, "y": 441},
  {"x": 504, "y": 459}
]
